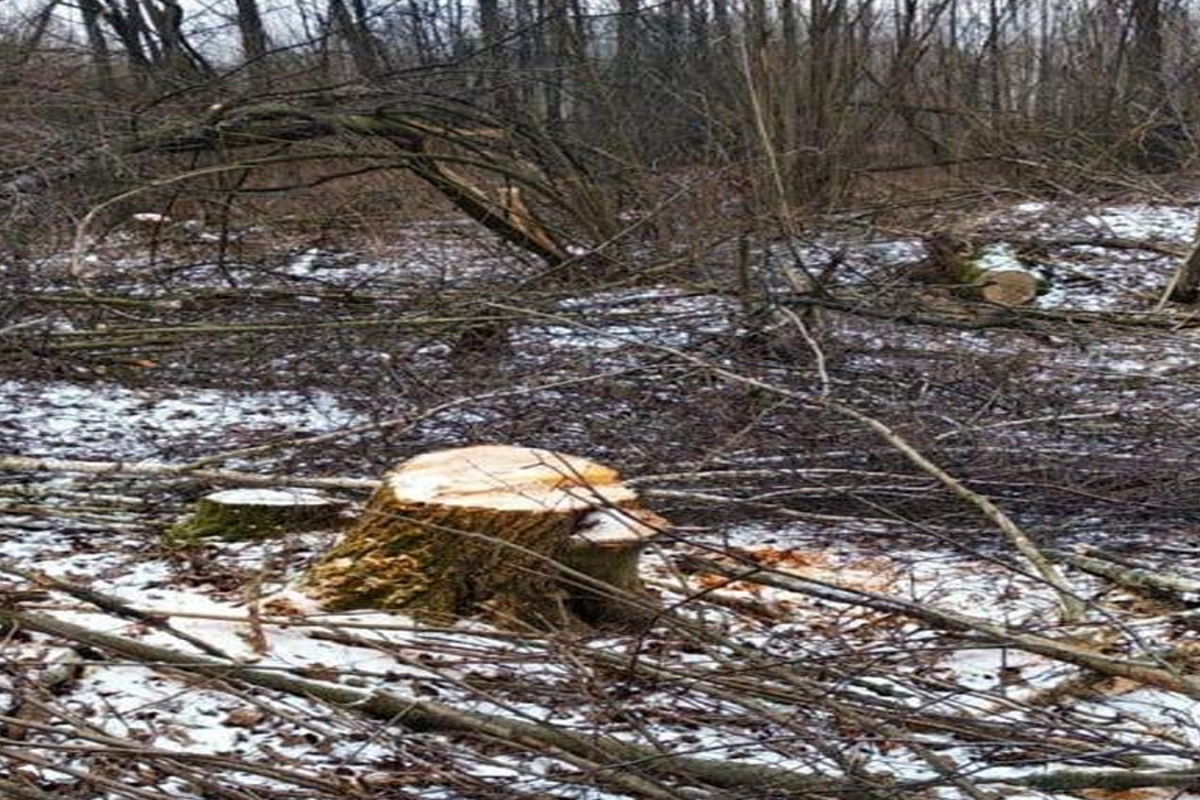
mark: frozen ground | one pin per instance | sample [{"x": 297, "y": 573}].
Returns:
[{"x": 1084, "y": 436}]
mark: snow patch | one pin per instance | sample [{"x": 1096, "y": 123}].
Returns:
[{"x": 269, "y": 497}]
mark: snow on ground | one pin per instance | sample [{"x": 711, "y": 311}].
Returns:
[
  {"x": 107, "y": 421},
  {"x": 583, "y": 684},
  {"x": 1145, "y": 222},
  {"x": 437, "y": 251},
  {"x": 128, "y": 701}
]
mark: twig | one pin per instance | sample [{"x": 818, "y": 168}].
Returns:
[
  {"x": 160, "y": 470},
  {"x": 403, "y": 422},
  {"x": 113, "y": 605},
  {"x": 427, "y": 715},
  {"x": 1141, "y": 672},
  {"x": 814, "y": 346},
  {"x": 1073, "y": 607}
]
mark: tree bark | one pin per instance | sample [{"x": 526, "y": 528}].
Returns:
[
  {"x": 358, "y": 38},
  {"x": 254, "y": 44},
  {"x": 489, "y": 529},
  {"x": 99, "y": 53}
]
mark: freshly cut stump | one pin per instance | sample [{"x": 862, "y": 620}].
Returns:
[
  {"x": 238, "y": 515},
  {"x": 1008, "y": 287},
  {"x": 490, "y": 529}
]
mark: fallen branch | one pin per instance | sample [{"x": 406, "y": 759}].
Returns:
[
  {"x": 1105, "y": 242},
  {"x": 1137, "y": 579},
  {"x": 1073, "y": 607},
  {"x": 160, "y": 470},
  {"x": 983, "y": 316},
  {"x": 113, "y": 605},
  {"x": 1111, "y": 780},
  {"x": 406, "y": 421},
  {"x": 1142, "y": 672},
  {"x": 424, "y": 715},
  {"x": 416, "y": 142},
  {"x": 20, "y": 791}
]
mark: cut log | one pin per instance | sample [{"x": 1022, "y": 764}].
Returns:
[
  {"x": 1008, "y": 287},
  {"x": 237, "y": 515},
  {"x": 992, "y": 273},
  {"x": 504, "y": 531}
]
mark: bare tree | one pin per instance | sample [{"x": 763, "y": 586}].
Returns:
[
  {"x": 1158, "y": 134},
  {"x": 351, "y": 24},
  {"x": 255, "y": 44},
  {"x": 101, "y": 58}
]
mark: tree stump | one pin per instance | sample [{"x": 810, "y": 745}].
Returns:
[
  {"x": 497, "y": 530},
  {"x": 237, "y": 515}
]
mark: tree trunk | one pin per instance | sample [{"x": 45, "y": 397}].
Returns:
[
  {"x": 1160, "y": 138},
  {"x": 254, "y": 43},
  {"x": 130, "y": 28},
  {"x": 523, "y": 535},
  {"x": 496, "y": 69},
  {"x": 179, "y": 58},
  {"x": 98, "y": 50},
  {"x": 1146, "y": 53},
  {"x": 628, "y": 53},
  {"x": 358, "y": 40},
  {"x": 20, "y": 53},
  {"x": 554, "y": 38}
]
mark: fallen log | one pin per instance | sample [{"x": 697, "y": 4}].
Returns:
[{"x": 1008, "y": 287}]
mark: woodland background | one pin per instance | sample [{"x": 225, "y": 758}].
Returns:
[{"x": 923, "y": 544}]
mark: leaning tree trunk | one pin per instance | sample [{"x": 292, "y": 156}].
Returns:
[{"x": 519, "y": 534}]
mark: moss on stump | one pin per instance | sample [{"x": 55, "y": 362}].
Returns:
[
  {"x": 485, "y": 530},
  {"x": 238, "y": 515}
]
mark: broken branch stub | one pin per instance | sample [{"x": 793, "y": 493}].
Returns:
[{"x": 517, "y": 533}]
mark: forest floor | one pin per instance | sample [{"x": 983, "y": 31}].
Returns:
[{"x": 1077, "y": 416}]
